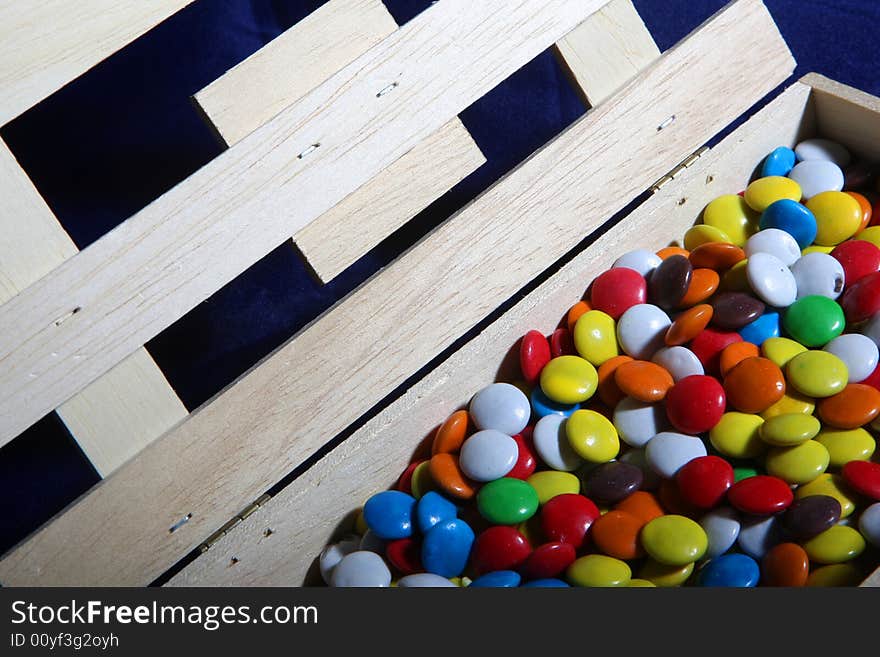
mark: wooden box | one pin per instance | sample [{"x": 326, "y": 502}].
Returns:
[{"x": 190, "y": 498}]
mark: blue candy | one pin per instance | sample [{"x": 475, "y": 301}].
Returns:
[
  {"x": 389, "y": 514},
  {"x": 779, "y": 163},
  {"x": 549, "y": 583},
  {"x": 794, "y": 218},
  {"x": 432, "y": 508},
  {"x": 506, "y": 579},
  {"x": 543, "y": 405},
  {"x": 736, "y": 570},
  {"x": 763, "y": 328},
  {"x": 446, "y": 547}
]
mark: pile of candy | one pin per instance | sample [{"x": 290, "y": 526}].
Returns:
[{"x": 704, "y": 416}]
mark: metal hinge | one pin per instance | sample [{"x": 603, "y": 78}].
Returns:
[
  {"x": 225, "y": 529},
  {"x": 687, "y": 162}
]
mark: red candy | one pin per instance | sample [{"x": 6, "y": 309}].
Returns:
[
  {"x": 858, "y": 259},
  {"x": 862, "y": 300},
  {"x": 499, "y": 548},
  {"x": 566, "y": 518},
  {"x": 703, "y": 482},
  {"x": 534, "y": 354},
  {"x": 548, "y": 560},
  {"x": 761, "y": 495},
  {"x": 525, "y": 464},
  {"x": 561, "y": 343},
  {"x": 695, "y": 404},
  {"x": 873, "y": 379},
  {"x": 709, "y": 344},
  {"x": 405, "y": 555},
  {"x": 617, "y": 290},
  {"x": 405, "y": 482},
  {"x": 863, "y": 477}
]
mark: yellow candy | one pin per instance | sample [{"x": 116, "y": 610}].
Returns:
[
  {"x": 703, "y": 234},
  {"x": 595, "y": 337},
  {"x": 839, "y": 574},
  {"x": 765, "y": 191},
  {"x": 360, "y": 523},
  {"x": 835, "y": 545},
  {"x": 838, "y": 217},
  {"x": 731, "y": 215},
  {"x": 797, "y": 465},
  {"x": 735, "y": 279},
  {"x": 550, "y": 483},
  {"x": 791, "y": 402},
  {"x": 637, "y": 583},
  {"x": 845, "y": 446},
  {"x": 598, "y": 570},
  {"x": 661, "y": 575},
  {"x": 829, "y": 484},
  {"x": 569, "y": 379},
  {"x": 781, "y": 350},
  {"x": 817, "y": 249},
  {"x": 592, "y": 436},
  {"x": 422, "y": 481},
  {"x": 871, "y": 235},
  {"x": 817, "y": 373},
  {"x": 790, "y": 429},
  {"x": 737, "y": 435},
  {"x": 674, "y": 540}
]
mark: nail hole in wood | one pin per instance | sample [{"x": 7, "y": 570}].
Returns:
[
  {"x": 391, "y": 87},
  {"x": 310, "y": 149},
  {"x": 268, "y": 532},
  {"x": 710, "y": 179},
  {"x": 61, "y": 320},
  {"x": 668, "y": 122},
  {"x": 682, "y": 201},
  {"x": 233, "y": 561},
  {"x": 180, "y": 523}
]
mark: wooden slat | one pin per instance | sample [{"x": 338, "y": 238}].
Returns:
[
  {"x": 130, "y": 406},
  {"x": 601, "y": 54},
  {"x": 231, "y": 450},
  {"x": 293, "y": 64},
  {"x": 44, "y": 44},
  {"x": 306, "y": 514},
  {"x": 148, "y": 272}
]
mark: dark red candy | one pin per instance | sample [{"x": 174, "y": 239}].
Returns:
[
  {"x": 761, "y": 495},
  {"x": 709, "y": 344},
  {"x": 704, "y": 481},
  {"x": 566, "y": 518},
  {"x": 670, "y": 281},
  {"x": 862, "y": 300},
  {"x": 863, "y": 477},
  {"x": 525, "y": 464},
  {"x": 534, "y": 353},
  {"x": 405, "y": 554},
  {"x": 695, "y": 404},
  {"x": 617, "y": 290},
  {"x": 810, "y": 516},
  {"x": 561, "y": 343},
  {"x": 548, "y": 560},
  {"x": 499, "y": 548},
  {"x": 858, "y": 259},
  {"x": 733, "y": 310},
  {"x": 612, "y": 482},
  {"x": 404, "y": 483}
]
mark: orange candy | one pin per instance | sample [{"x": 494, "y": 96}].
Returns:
[
  {"x": 867, "y": 210},
  {"x": 574, "y": 314},
  {"x": 754, "y": 385},
  {"x": 451, "y": 434},
  {"x": 703, "y": 284},
  {"x": 786, "y": 564},
  {"x": 668, "y": 251},
  {"x": 447, "y": 474},
  {"x": 643, "y": 380},
  {"x": 717, "y": 255},
  {"x": 609, "y": 393},
  {"x": 642, "y": 505},
  {"x": 689, "y": 324},
  {"x": 853, "y": 407},
  {"x": 616, "y": 533},
  {"x": 734, "y": 354}
]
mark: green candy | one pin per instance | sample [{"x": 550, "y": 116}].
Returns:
[
  {"x": 507, "y": 501},
  {"x": 744, "y": 473},
  {"x": 814, "y": 321}
]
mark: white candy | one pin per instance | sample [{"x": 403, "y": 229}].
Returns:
[
  {"x": 722, "y": 528},
  {"x": 823, "y": 149},
  {"x": 365, "y": 569},
  {"x": 641, "y": 330},
  {"x": 500, "y": 406},
  {"x": 869, "y": 524},
  {"x": 757, "y": 535},
  {"x": 775, "y": 242},
  {"x": 637, "y": 422},
  {"x": 858, "y": 352},
  {"x": 638, "y": 458},
  {"x": 641, "y": 260},
  {"x": 424, "y": 581},
  {"x": 668, "y": 451},
  {"x": 333, "y": 554},
  {"x": 371, "y": 543},
  {"x": 818, "y": 273},
  {"x": 488, "y": 455},
  {"x": 553, "y": 446},
  {"x": 817, "y": 176},
  {"x": 771, "y": 280},
  {"x": 679, "y": 362}
]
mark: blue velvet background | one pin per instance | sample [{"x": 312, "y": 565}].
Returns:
[{"x": 110, "y": 142}]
